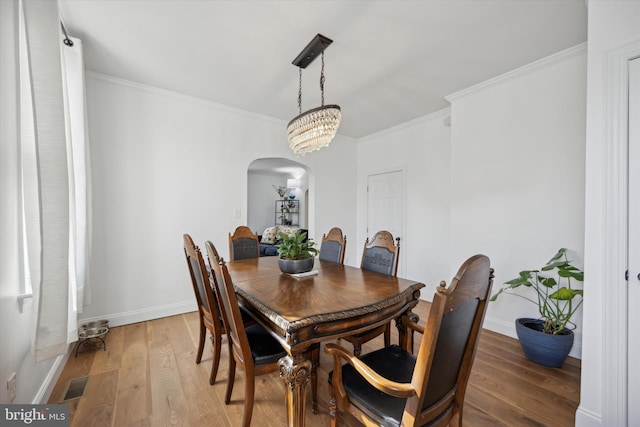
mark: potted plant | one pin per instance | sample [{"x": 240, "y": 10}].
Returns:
[
  {"x": 281, "y": 190},
  {"x": 295, "y": 252},
  {"x": 548, "y": 339}
]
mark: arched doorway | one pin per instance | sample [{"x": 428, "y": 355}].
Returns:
[{"x": 262, "y": 176}]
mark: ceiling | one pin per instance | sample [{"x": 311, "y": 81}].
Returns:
[{"x": 390, "y": 62}]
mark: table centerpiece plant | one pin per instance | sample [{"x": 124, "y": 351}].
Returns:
[{"x": 296, "y": 253}]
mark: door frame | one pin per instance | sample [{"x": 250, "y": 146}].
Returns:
[
  {"x": 403, "y": 237},
  {"x": 615, "y": 239},
  {"x": 633, "y": 245}
]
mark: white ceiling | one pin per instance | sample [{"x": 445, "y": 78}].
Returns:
[{"x": 390, "y": 62}]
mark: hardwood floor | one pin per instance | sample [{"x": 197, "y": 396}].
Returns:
[{"x": 148, "y": 377}]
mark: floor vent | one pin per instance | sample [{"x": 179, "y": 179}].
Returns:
[{"x": 75, "y": 389}]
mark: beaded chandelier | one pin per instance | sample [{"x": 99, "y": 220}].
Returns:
[{"x": 315, "y": 128}]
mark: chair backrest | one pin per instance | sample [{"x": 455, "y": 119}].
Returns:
[
  {"x": 214, "y": 258},
  {"x": 381, "y": 254},
  {"x": 243, "y": 244},
  {"x": 230, "y": 309},
  {"x": 205, "y": 298},
  {"x": 450, "y": 340},
  {"x": 333, "y": 246}
]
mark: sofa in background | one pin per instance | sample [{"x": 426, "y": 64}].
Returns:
[{"x": 269, "y": 238}]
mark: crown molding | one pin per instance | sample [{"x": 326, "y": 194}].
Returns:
[
  {"x": 185, "y": 98},
  {"x": 440, "y": 114},
  {"x": 563, "y": 55}
]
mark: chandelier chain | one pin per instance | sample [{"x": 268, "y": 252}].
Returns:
[
  {"x": 322, "y": 81},
  {"x": 300, "y": 91}
]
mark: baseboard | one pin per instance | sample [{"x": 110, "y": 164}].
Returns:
[
  {"x": 135, "y": 316},
  {"x": 585, "y": 418},
  {"x": 509, "y": 329},
  {"x": 44, "y": 393},
  {"x": 117, "y": 319}
]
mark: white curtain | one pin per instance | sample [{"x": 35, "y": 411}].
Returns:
[
  {"x": 54, "y": 180},
  {"x": 79, "y": 182}
]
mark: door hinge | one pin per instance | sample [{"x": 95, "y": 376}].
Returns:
[{"x": 626, "y": 275}]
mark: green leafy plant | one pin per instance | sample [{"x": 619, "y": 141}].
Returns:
[
  {"x": 295, "y": 246},
  {"x": 555, "y": 298}
]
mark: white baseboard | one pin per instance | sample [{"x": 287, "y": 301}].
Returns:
[
  {"x": 135, "y": 316},
  {"x": 585, "y": 418},
  {"x": 509, "y": 329},
  {"x": 44, "y": 393},
  {"x": 117, "y": 319}
]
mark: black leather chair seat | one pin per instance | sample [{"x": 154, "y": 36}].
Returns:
[
  {"x": 265, "y": 349},
  {"x": 392, "y": 363},
  {"x": 246, "y": 317}
]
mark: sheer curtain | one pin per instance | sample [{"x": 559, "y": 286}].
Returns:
[
  {"x": 79, "y": 182},
  {"x": 54, "y": 180}
]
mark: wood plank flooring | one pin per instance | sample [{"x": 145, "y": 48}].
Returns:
[{"x": 148, "y": 377}]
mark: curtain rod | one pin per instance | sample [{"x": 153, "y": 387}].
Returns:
[{"x": 67, "y": 40}]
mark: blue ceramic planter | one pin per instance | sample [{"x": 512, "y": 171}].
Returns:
[{"x": 545, "y": 349}]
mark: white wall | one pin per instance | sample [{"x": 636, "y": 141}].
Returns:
[
  {"x": 612, "y": 25},
  {"x": 421, "y": 149},
  {"x": 517, "y": 182},
  {"x": 163, "y": 165}
]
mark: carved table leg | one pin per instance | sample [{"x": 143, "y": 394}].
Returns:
[
  {"x": 405, "y": 340},
  {"x": 314, "y": 356},
  {"x": 295, "y": 375}
]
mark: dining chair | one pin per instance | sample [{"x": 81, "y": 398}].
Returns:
[
  {"x": 243, "y": 244},
  {"x": 379, "y": 255},
  {"x": 213, "y": 256},
  {"x": 392, "y": 387},
  {"x": 333, "y": 246},
  {"x": 253, "y": 348},
  {"x": 208, "y": 311}
]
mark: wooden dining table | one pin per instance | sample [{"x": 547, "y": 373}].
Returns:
[{"x": 302, "y": 312}]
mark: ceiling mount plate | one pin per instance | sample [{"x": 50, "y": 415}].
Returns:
[{"x": 315, "y": 47}]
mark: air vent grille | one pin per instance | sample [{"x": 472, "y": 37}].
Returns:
[{"x": 75, "y": 389}]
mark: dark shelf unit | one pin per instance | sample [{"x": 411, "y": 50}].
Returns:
[{"x": 287, "y": 212}]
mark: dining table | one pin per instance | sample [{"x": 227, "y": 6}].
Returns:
[{"x": 333, "y": 301}]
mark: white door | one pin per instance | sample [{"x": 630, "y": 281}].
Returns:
[
  {"x": 385, "y": 206},
  {"x": 633, "y": 307}
]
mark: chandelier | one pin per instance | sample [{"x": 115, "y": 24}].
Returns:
[{"x": 315, "y": 128}]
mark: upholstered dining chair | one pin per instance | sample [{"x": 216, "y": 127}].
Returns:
[
  {"x": 392, "y": 387},
  {"x": 243, "y": 244},
  {"x": 381, "y": 256},
  {"x": 333, "y": 246},
  {"x": 208, "y": 311},
  {"x": 252, "y": 348},
  {"x": 213, "y": 256}
]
